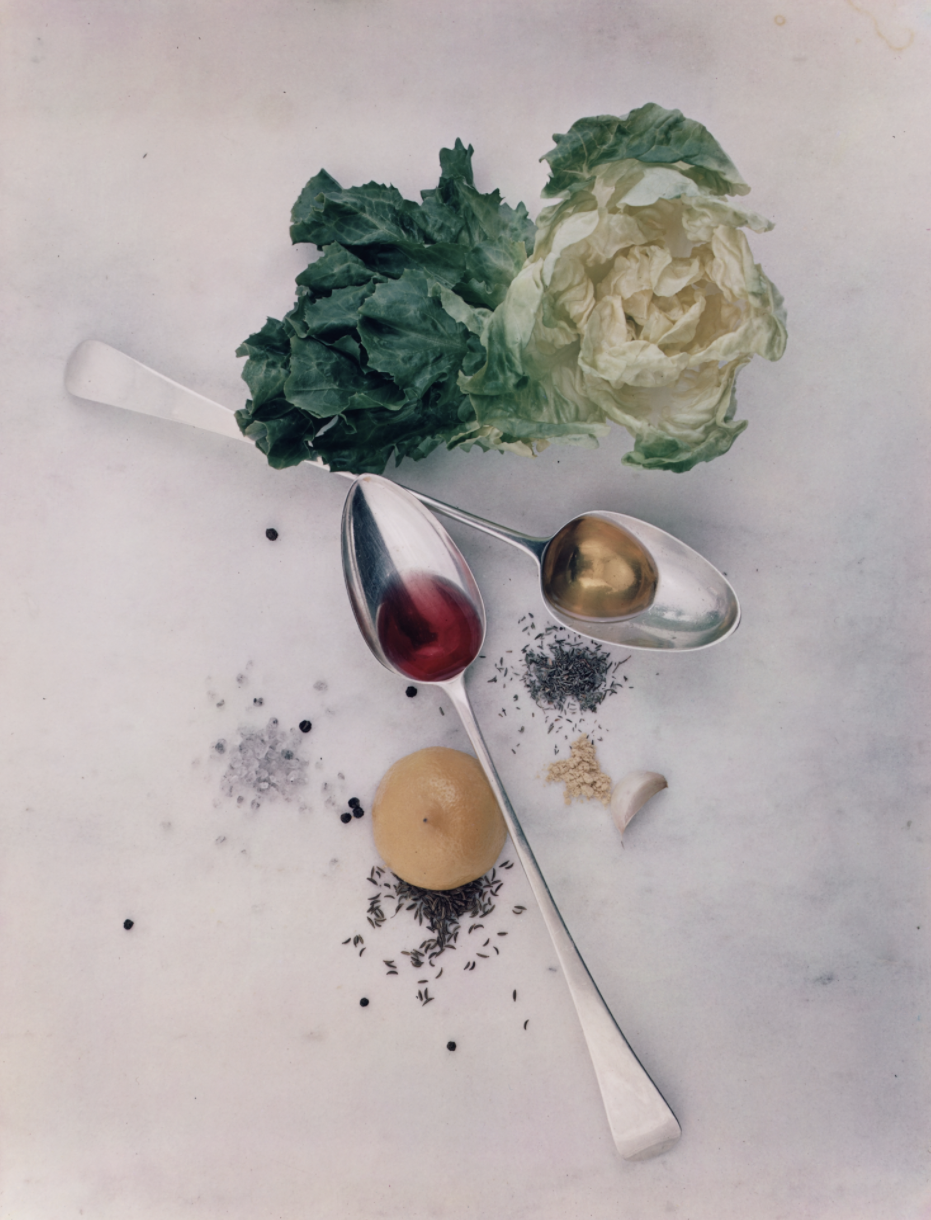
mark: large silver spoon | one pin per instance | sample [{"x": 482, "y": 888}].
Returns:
[
  {"x": 420, "y": 611},
  {"x": 605, "y": 575}
]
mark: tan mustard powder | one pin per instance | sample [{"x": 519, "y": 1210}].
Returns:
[{"x": 581, "y": 774}]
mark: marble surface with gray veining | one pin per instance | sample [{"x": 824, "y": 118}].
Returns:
[{"x": 762, "y": 933}]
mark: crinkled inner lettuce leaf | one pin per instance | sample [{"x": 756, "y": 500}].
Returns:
[
  {"x": 366, "y": 364},
  {"x": 640, "y": 303},
  {"x": 428, "y": 323}
]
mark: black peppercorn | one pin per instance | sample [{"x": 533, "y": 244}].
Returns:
[
  {"x": 271, "y": 534},
  {"x": 305, "y": 726},
  {"x": 450, "y": 1046},
  {"x": 345, "y": 817},
  {"x": 411, "y": 692},
  {"x": 363, "y": 1003}
]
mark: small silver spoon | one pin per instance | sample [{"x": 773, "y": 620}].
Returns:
[
  {"x": 676, "y": 600},
  {"x": 420, "y": 612}
]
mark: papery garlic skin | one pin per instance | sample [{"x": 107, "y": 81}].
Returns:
[{"x": 632, "y": 793}]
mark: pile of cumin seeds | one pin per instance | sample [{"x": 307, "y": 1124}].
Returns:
[
  {"x": 440, "y": 910},
  {"x": 443, "y": 912}
]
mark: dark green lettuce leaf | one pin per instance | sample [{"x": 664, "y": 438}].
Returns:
[
  {"x": 338, "y": 268},
  {"x": 329, "y": 317},
  {"x": 367, "y": 363},
  {"x": 322, "y": 379},
  {"x": 281, "y": 431},
  {"x": 650, "y": 134},
  {"x": 266, "y": 368},
  {"x": 358, "y": 216},
  {"x": 409, "y": 336},
  {"x": 366, "y": 441}
]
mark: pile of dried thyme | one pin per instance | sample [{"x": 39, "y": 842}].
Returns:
[
  {"x": 563, "y": 673},
  {"x": 566, "y": 675}
]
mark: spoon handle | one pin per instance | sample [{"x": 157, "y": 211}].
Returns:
[
  {"x": 523, "y": 542},
  {"x": 102, "y": 373},
  {"x": 641, "y": 1122}
]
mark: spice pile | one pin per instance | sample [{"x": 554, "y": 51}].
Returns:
[
  {"x": 566, "y": 675},
  {"x": 562, "y": 673},
  {"x": 581, "y": 774},
  {"x": 263, "y": 765},
  {"x": 442, "y": 911}
]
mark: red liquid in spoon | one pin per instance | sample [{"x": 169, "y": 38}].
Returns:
[{"x": 428, "y": 628}]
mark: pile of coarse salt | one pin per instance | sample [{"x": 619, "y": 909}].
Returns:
[{"x": 264, "y": 765}]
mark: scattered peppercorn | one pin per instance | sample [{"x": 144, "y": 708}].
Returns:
[
  {"x": 450, "y": 1046},
  {"x": 271, "y": 534},
  {"x": 345, "y": 817},
  {"x": 127, "y": 924},
  {"x": 411, "y": 692},
  {"x": 358, "y": 811},
  {"x": 354, "y": 802},
  {"x": 363, "y": 1003},
  {"x": 305, "y": 726}
]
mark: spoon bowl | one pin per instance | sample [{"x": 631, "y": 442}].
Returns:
[
  {"x": 420, "y": 611},
  {"x": 401, "y": 599},
  {"x": 680, "y": 601}
]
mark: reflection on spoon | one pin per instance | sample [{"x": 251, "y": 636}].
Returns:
[
  {"x": 598, "y": 571},
  {"x": 420, "y": 612}
]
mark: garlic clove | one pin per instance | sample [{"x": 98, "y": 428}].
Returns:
[{"x": 632, "y": 793}]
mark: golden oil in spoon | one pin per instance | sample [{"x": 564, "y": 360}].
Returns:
[{"x": 594, "y": 569}]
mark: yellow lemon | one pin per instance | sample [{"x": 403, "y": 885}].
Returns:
[{"x": 436, "y": 821}]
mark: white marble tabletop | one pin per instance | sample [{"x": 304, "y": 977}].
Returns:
[{"x": 762, "y": 933}]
